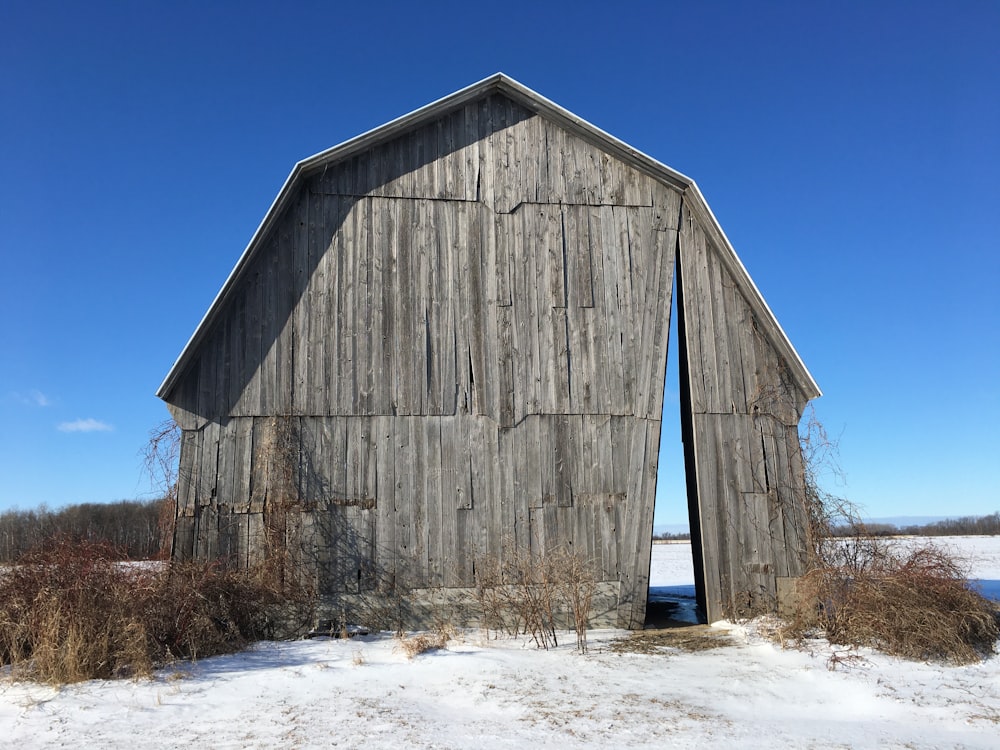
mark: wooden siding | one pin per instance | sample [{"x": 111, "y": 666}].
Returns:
[
  {"x": 462, "y": 485},
  {"x": 742, "y": 422},
  {"x": 457, "y": 338},
  {"x": 379, "y": 302},
  {"x": 465, "y": 330}
]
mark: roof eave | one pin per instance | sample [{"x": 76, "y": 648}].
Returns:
[{"x": 781, "y": 341}]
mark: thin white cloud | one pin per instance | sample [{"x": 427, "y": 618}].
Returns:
[
  {"x": 39, "y": 399},
  {"x": 85, "y": 425},
  {"x": 33, "y": 397}
]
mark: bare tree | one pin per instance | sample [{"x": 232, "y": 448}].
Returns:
[{"x": 162, "y": 457}]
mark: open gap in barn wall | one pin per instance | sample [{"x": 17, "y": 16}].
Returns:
[
  {"x": 670, "y": 511},
  {"x": 674, "y": 603},
  {"x": 687, "y": 442}
]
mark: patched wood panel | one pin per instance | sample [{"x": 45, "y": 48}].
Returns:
[{"x": 377, "y": 298}]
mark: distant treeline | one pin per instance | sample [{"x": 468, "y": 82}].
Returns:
[
  {"x": 967, "y": 526},
  {"x": 133, "y": 526},
  {"x": 669, "y": 536},
  {"x": 140, "y": 528}
]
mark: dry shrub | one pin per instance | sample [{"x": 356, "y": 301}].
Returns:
[
  {"x": 198, "y": 609},
  {"x": 576, "y": 584},
  {"x": 867, "y": 590},
  {"x": 71, "y": 611},
  {"x": 421, "y": 643},
  {"x": 522, "y": 593},
  {"x": 914, "y": 603},
  {"x": 67, "y": 614},
  {"x": 517, "y": 595}
]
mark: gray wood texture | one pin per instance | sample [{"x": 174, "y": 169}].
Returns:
[
  {"x": 457, "y": 338},
  {"x": 744, "y": 411}
]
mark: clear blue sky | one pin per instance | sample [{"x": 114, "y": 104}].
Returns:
[{"x": 851, "y": 151}]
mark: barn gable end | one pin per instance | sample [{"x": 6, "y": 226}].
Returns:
[{"x": 450, "y": 335}]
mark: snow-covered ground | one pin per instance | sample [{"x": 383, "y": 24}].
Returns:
[
  {"x": 501, "y": 694},
  {"x": 671, "y": 564},
  {"x": 671, "y": 572}
]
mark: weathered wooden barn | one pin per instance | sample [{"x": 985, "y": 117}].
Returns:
[{"x": 449, "y": 336}]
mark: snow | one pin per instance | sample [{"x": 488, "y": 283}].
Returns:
[
  {"x": 980, "y": 553},
  {"x": 486, "y": 694},
  {"x": 671, "y": 565}
]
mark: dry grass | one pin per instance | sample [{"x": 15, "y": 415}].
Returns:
[
  {"x": 71, "y": 611},
  {"x": 421, "y": 643},
  {"x": 67, "y": 616},
  {"x": 914, "y": 603},
  {"x": 689, "y": 638}
]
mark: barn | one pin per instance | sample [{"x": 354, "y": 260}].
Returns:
[{"x": 447, "y": 339}]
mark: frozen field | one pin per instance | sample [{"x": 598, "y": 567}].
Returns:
[
  {"x": 671, "y": 569},
  {"x": 485, "y": 694},
  {"x": 671, "y": 563}
]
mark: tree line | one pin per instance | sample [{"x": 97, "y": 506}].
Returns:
[
  {"x": 138, "y": 529},
  {"x": 141, "y": 529},
  {"x": 671, "y": 536},
  {"x": 965, "y": 526}
]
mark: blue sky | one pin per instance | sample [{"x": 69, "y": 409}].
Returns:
[{"x": 849, "y": 149}]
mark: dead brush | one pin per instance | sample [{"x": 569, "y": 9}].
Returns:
[
  {"x": 197, "y": 609},
  {"x": 517, "y": 595},
  {"x": 576, "y": 584},
  {"x": 862, "y": 589},
  {"x": 525, "y": 593},
  {"x": 421, "y": 643},
  {"x": 72, "y": 611},
  {"x": 67, "y": 614},
  {"x": 914, "y": 603}
]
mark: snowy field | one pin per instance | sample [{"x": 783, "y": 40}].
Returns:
[
  {"x": 672, "y": 574},
  {"x": 486, "y": 694}
]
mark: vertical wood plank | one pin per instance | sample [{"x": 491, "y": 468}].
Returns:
[
  {"x": 242, "y": 449},
  {"x": 313, "y": 306},
  {"x": 188, "y": 470},
  {"x": 327, "y": 396},
  {"x": 434, "y": 553},
  {"x": 691, "y": 253},
  {"x": 632, "y": 596},
  {"x": 506, "y": 374},
  {"x": 450, "y": 238},
  {"x": 404, "y": 497},
  {"x": 225, "y": 490},
  {"x": 301, "y": 352},
  {"x": 385, "y": 558},
  {"x": 281, "y": 324},
  {"x": 377, "y": 396},
  {"x": 579, "y": 247},
  {"x": 477, "y": 336}
]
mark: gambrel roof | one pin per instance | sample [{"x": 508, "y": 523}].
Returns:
[{"x": 534, "y": 102}]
